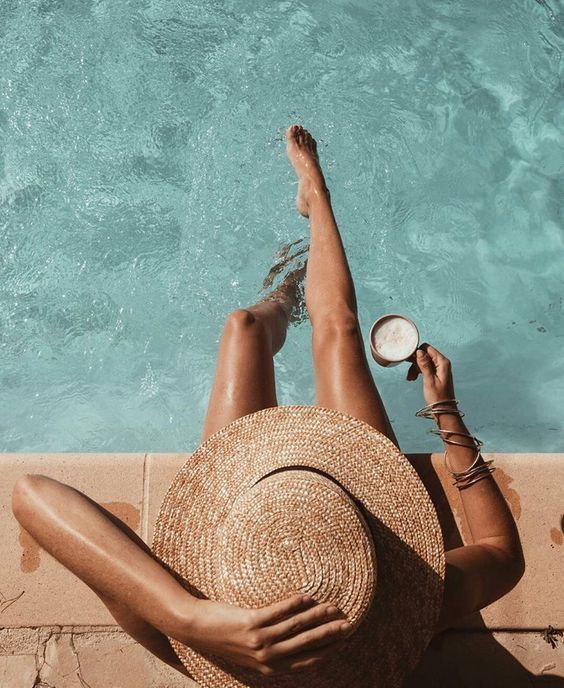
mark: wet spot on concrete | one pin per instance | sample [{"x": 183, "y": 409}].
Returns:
[
  {"x": 29, "y": 559},
  {"x": 129, "y": 514},
  {"x": 511, "y": 495},
  {"x": 556, "y": 536}
]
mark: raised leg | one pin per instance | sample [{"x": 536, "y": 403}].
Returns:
[{"x": 342, "y": 375}]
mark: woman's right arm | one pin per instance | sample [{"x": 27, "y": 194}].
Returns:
[{"x": 482, "y": 572}]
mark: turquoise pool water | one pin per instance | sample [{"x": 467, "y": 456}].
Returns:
[{"x": 144, "y": 191}]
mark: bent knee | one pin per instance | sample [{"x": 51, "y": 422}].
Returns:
[{"x": 242, "y": 323}]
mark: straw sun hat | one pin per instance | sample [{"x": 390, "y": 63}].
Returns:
[{"x": 304, "y": 499}]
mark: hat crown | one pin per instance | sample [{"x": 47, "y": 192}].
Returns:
[{"x": 296, "y": 531}]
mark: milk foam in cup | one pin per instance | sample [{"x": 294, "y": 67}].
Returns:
[{"x": 393, "y": 339}]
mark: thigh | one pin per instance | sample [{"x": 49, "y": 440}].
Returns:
[
  {"x": 343, "y": 380},
  {"x": 244, "y": 376}
]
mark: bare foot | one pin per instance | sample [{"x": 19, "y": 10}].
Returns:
[{"x": 302, "y": 152}]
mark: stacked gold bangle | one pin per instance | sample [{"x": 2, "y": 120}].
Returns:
[{"x": 477, "y": 471}]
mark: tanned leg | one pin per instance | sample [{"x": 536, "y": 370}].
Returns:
[
  {"x": 244, "y": 378},
  {"x": 342, "y": 375}
]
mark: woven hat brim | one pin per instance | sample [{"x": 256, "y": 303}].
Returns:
[{"x": 409, "y": 546}]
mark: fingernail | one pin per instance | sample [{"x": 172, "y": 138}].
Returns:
[
  {"x": 345, "y": 627},
  {"x": 331, "y": 611}
]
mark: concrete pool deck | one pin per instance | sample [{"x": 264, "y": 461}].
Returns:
[{"x": 55, "y": 633}]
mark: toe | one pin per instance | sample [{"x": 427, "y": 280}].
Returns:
[{"x": 292, "y": 132}]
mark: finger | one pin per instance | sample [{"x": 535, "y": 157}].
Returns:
[
  {"x": 320, "y": 614},
  {"x": 279, "y": 610},
  {"x": 304, "y": 660},
  {"x": 311, "y": 639},
  {"x": 425, "y": 363},
  {"x": 439, "y": 359}
]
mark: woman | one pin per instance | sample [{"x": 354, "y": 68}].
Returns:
[{"x": 149, "y": 603}]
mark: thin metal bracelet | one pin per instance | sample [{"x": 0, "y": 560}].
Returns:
[
  {"x": 474, "y": 463},
  {"x": 442, "y": 401},
  {"x": 466, "y": 475},
  {"x": 476, "y": 442},
  {"x": 480, "y": 477},
  {"x": 430, "y": 411},
  {"x": 476, "y": 471}
]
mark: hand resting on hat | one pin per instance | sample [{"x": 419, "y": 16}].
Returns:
[{"x": 290, "y": 635}]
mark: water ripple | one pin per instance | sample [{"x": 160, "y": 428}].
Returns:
[{"x": 144, "y": 190}]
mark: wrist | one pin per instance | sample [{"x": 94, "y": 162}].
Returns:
[
  {"x": 437, "y": 405},
  {"x": 183, "y": 615},
  {"x": 446, "y": 399},
  {"x": 449, "y": 421}
]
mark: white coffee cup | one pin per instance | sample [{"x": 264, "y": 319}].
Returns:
[{"x": 393, "y": 339}]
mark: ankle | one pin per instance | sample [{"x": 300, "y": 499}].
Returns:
[{"x": 318, "y": 193}]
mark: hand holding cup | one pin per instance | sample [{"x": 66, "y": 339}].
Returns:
[{"x": 437, "y": 374}]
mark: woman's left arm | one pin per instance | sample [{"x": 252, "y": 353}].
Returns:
[{"x": 482, "y": 572}]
